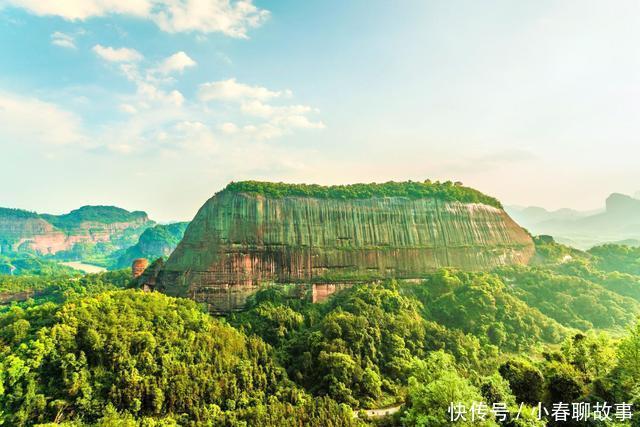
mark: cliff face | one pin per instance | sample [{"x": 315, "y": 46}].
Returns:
[
  {"x": 22, "y": 231},
  {"x": 238, "y": 240}
]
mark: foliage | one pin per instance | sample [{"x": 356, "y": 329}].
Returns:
[
  {"x": 102, "y": 214},
  {"x": 358, "y": 347},
  {"x": 620, "y": 258},
  {"x": 84, "y": 351},
  {"x": 570, "y": 299},
  {"x": 144, "y": 355},
  {"x": 415, "y": 190},
  {"x": 28, "y": 264},
  {"x": 525, "y": 380},
  {"x": 480, "y": 304},
  {"x": 28, "y": 291},
  {"x": 155, "y": 242},
  {"x": 9, "y": 213},
  {"x": 433, "y": 386}
]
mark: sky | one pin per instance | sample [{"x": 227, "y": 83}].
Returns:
[{"x": 156, "y": 105}]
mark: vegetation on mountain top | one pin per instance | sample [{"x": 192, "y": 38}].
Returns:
[
  {"x": 447, "y": 191},
  {"x": 10, "y": 213},
  {"x": 103, "y": 214}
]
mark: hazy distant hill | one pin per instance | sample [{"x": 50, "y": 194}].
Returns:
[
  {"x": 619, "y": 222},
  {"x": 533, "y": 215}
]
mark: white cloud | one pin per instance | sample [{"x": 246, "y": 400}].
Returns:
[
  {"x": 231, "y": 90},
  {"x": 176, "y": 62},
  {"x": 30, "y": 120},
  {"x": 232, "y": 18},
  {"x": 84, "y": 9},
  {"x": 122, "y": 54},
  {"x": 63, "y": 40},
  {"x": 297, "y": 121},
  {"x": 224, "y": 16},
  {"x": 279, "y": 119}
]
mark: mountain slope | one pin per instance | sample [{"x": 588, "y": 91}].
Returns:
[{"x": 157, "y": 241}]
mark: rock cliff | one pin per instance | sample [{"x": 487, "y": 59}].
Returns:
[{"x": 240, "y": 238}]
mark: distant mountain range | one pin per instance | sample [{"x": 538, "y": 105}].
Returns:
[
  {"x": 619, "y": 222},
  {"x": 106, "y": 236}
]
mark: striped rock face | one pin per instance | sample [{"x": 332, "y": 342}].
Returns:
[{"x": 238, "y": 240}]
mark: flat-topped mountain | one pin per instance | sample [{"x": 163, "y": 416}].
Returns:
[
  {"x": 253, "y": 232},
  {"x": 45, "y": 234}
]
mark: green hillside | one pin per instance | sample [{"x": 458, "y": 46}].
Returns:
[
  {"x": 84, "y": 350},
  {"x": 155, "y": 242}
]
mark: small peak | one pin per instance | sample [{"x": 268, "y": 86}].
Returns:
[{"x": 138, "y": 267}]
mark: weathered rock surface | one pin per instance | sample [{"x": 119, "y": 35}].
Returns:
[{"x": 238, "y": 240}]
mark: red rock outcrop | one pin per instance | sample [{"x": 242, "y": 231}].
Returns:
[{"x": 238, "y": 240}]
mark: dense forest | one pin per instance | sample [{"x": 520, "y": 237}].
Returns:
[
  {"x": 448, "y": 191},
  {"x": 81, "y": 350}
]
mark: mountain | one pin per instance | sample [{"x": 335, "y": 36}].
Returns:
[
  {"x": 157, "y": 241},
  {"x": 620, "y": 221},
  {"x": 90, "y": 231},
  {"x": 532, "y": 215},
  {"x": 253, "y": 232}
]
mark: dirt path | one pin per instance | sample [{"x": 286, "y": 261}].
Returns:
[{"x": 381, "y": 412}]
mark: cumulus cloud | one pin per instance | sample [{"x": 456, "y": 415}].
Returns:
[
  {"x": 122, "y": 54},
  {"x": 279, "y": 119},
  {"x": 231, "y": 90},
  {"x": 84, "y": 9},
  {"x": 31, "y": 120},
  {"x": 176, "y": 62},
  {"x": 232, "y": 18},
  {"x": 63, "y": 40},
  {"x": 149, "y": 92},
  {"x": 224, "y": 16}
]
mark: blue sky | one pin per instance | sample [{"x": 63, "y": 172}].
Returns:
[{"x": 157, "y": 104}]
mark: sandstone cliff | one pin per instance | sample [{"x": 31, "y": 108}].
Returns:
[{"x": 240, "y": 239}]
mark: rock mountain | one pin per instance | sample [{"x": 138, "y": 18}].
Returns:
[{"x": 253, "y": 232}]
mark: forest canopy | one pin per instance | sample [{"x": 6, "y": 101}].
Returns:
[
  {"x": 85, "y": 350},
  {"x": 447, "y": 191}
]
